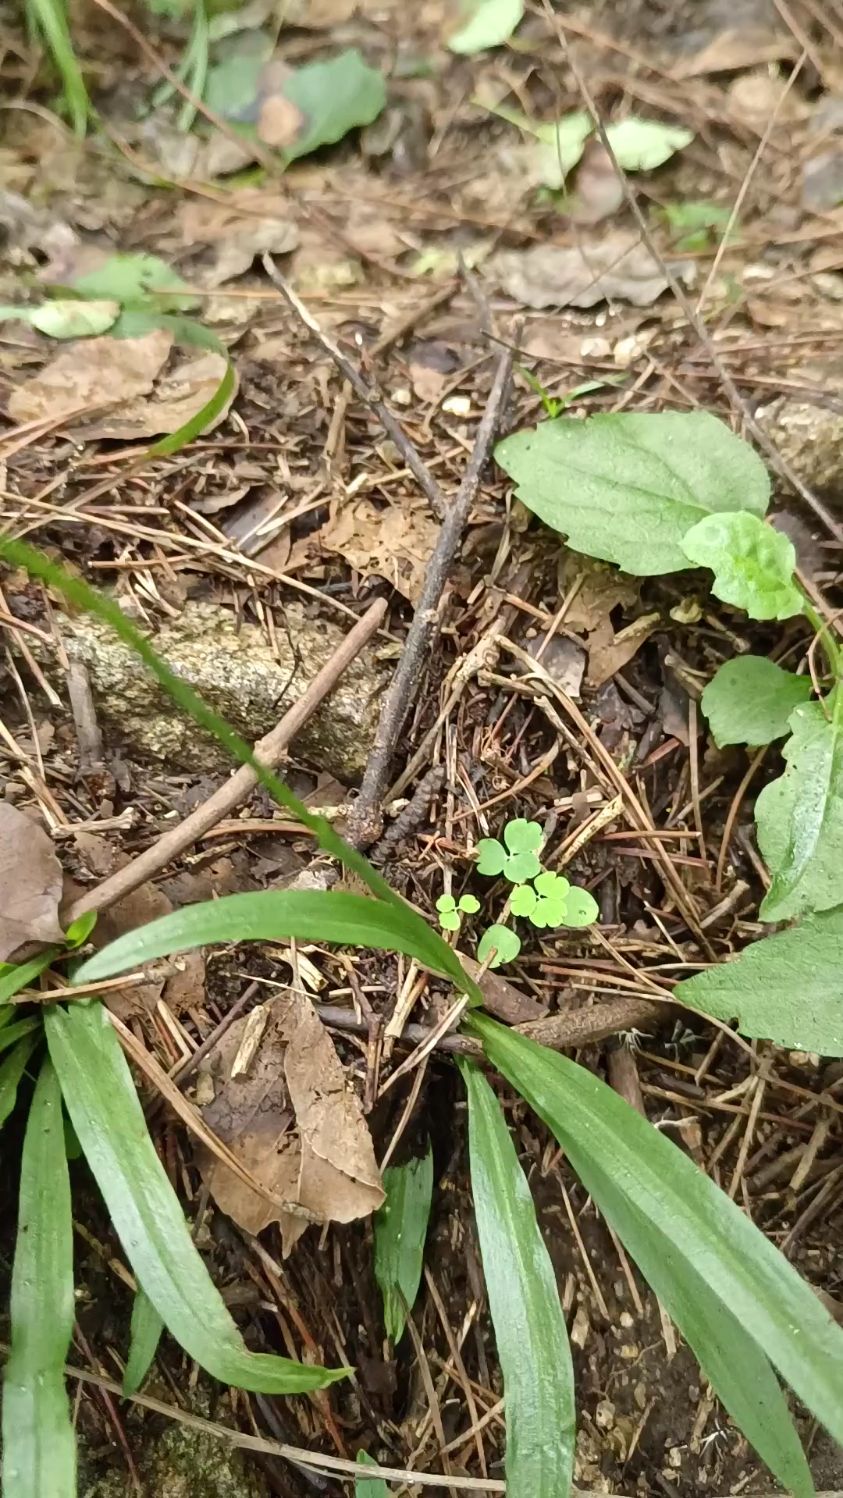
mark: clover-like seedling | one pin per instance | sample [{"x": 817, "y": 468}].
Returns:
[
  {"x": 451, "y": 911},
  {"x": 498, "y": 945},
  {"x": 551, "y": 901},
  {"x": 516, "y": 857}
]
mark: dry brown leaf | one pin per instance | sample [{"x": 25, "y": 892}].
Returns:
[
  {"x": 394, "y": 541},
  {"x": 427, "y": 383},
  {"x": 320, "y": 15},
  {"x": 30, "y": 882},
  {"x": 92, "y": 373},
  {"x": 599, "y": 589},
  {"x": 738, "y": 48},
  {"x": 616, "y": 265},
  {"x": 184, "y": 988},
  {"x": 177, "y": 398},
  {"x": 247, "y": 224},
  {"x": 598, "y": 188},
  {"x": 609, "y": 652},
  {"x": 288, "y": 1115}
]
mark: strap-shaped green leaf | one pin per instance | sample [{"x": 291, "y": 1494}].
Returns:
[
  {"x": 530, "y": 1331},
  {"x": 400, "y": 1231},
  {"x": 270, "y": 915},
  {"x": 698, "y": 1225},
  {"x": 736, "y": 1368},
  {"x": 145, "y": 1334},
  {"x": 39, "y": 1448},
  {"x": 105, "y": 1112},
  {"x": 12, "y": 1068}
]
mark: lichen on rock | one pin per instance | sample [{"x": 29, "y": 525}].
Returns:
[{"x": 232, "y": 665}]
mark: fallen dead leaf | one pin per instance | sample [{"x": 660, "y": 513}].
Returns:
[
  {"x": 181, "y": 990},
  {"x": 609, "y": 652},
  {"x": 283, "y": 1106},
  {"x": 738, "y": 48},
  {"x": 394, "y": 542},
  {"x": 616, "y": 265},
  {"x": 246, "y": 225},
  {"x": 427, "y": 383},
  {"x": 30, "y": 882},
  {"x": 598, "y": 189},
  {"x": 178, "y": 397},
  {"x": 756, "y": 97},
  {"x": 90, "y": 374},
  {"x": 599, "y": 589}
]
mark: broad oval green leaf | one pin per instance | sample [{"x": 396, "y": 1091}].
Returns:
[
  {"x": 627, "y": 487},
  {"x": 268, "y": 915},
  {"x": 785, "y": 988},
  {"x": 737, "y": 1370},
  {"x": 642, "y": 145},
  {"x": 500, "y": 940},
  {"x": 753, "y": 564},
  {"x": 105, "y": 1112},
  {"x": 400, "y": 1231},
  {"x": 698, "y": 1224},
  {"x": 530, "y": 1331},
  {"x": 333, "y": 97},
  {"x": 800, "y": 817},
  {"x": 749, "y": 700},
  {"x": 145, "y": 1334},
  {"x": 486, "y": 23},
  {"x": 39, "y": 1447}
]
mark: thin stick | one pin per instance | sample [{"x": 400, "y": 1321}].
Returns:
[
  {"x": 391, "y": 426},
  {"x": 365, "y": 819},
  {"x": 268, "y": 750}
]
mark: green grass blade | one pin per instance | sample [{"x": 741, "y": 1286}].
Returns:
[
  {"x": 49, "y": 17},
  {"x": 21, "y": 974},
  {"x": 736, "y": 1368},
  {"x": 145, "y": 1334},
  {"x": 105, "y": 1112},
  {"x": 78, "y": 593},
  {"x": 699, "y": 1226},
  {"x": 530, "y": 1331},
  {"x": 268, "y": 915},
  {"x": 400, "y": 1231},
  {"x": 11, "y": 1034},
  {"x": 12, "y": 1068},
  {"x": 39, "y": 1448},
  {"x": 369, "y": 1487}
]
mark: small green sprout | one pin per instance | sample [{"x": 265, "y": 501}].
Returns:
[
  {"x": 551, "y": 901},
  {"x": 518, "y": 861},
  {"x": 451, "y": 911},
  {"x": 500, "y": 940}
]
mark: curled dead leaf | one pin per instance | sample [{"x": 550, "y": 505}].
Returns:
[
  {"x": 284, "y": 1107},
  {"x": 616, "y": 265},
  {"x": 249, "y": 223},
  {"x": 394, "y": 542},
  {"x": 91, "y": 374},
  {"x": 177, "y": 398},
  {"x": 30, "y": 882}
]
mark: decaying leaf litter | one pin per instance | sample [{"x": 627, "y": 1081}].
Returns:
[{"x": 418, "y": 240}]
